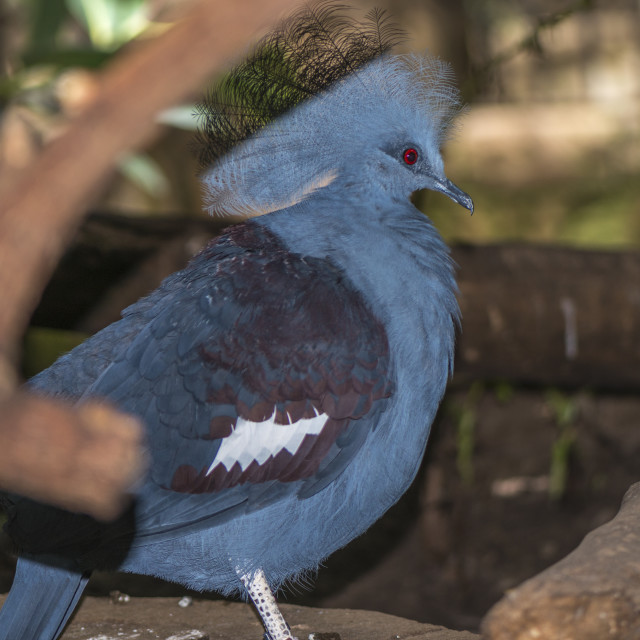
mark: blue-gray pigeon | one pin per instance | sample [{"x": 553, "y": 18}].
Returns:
[{"x": 289, "y": 375}]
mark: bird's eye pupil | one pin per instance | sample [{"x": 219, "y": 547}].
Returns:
[{"x": 410, "y": 156}]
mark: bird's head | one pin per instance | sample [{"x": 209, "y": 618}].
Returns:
[
  {"x": 395, "y": 115},
  {"x": 361, "y": 118}
]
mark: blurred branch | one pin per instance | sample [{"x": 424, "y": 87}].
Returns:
[
  {"x": 530, "y": 42},
  {"x": 83, "y": 459},
  {"x": 42, "y": 207}
]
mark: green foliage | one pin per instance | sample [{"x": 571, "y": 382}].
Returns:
[
  {"x": 48, "y": 42},
  {"x": 47, "y": 18},
  {"x": 42, "y": 347},
  {"x": 565, "y": 411},
  {"x": 110, "y": 23},
  {"x": 71, "y": 34},
  {"x": 144, "y": 172},
  {"x": 181, "y": 117},
  {"x": 504, "y": 391},
  {"x": 53, "y": 42},
  {"x": 466, "y": 416}
]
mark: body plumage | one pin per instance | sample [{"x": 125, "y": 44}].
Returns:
[{"x": 289, "y": 375}]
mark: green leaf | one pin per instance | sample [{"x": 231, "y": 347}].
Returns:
[
  {"x": 110, "y": 23},
  {"x": 145, "y": 173},
  {"x": 181, "y": 117},
  {"x": 565, "y": 411}
]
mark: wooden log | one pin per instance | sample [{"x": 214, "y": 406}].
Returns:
[{"x": 550, "y": 316}]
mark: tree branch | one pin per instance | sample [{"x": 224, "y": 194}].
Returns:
[
  {"x": 83, "y": 459},
  {"x": 46, "y": 204},
  {"x": 86, "y": 459}
]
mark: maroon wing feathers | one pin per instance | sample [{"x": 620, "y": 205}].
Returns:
[{"x": 293, "y": 338}]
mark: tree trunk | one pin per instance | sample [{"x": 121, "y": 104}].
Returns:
[{"x": 549, "y": 316}]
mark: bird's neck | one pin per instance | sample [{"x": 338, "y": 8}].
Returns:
[{"x": 394, "y": 256}]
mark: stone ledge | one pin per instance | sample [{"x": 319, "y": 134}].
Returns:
[{"x": 164, "y": 619}]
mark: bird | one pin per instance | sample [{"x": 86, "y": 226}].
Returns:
[{"x": 289, "y": 375}]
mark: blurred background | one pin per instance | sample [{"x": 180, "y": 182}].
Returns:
[
  {"x": 553, "y": 123},
  {"x": 549, "y": 149}
]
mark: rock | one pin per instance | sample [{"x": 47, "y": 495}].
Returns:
[{"x": 592, "y": 594}]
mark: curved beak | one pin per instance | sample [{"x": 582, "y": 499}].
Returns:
[{"x": 455, "y": 193}]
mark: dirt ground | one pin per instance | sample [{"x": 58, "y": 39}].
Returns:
[{"x": 479, "y": 518}]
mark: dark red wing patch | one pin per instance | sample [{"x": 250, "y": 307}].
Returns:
[{"x": 291, "y": 339}]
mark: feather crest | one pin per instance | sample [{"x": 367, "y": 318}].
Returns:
[
  {"x": 350, "y": 95},
  {"x": 310, "y": 51}
]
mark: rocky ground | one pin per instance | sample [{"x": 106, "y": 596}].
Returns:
[{"x": 164, "y": 619}]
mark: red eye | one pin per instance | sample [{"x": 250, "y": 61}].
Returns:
[{"x": 410, "y": 156}]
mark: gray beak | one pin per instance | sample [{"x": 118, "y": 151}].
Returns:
[{"x": 456, "y": 194}]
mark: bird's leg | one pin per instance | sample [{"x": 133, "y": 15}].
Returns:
[{"x": 260, "y": 593}]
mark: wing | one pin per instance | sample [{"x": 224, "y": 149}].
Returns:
[{"x": 256, "y": 368}]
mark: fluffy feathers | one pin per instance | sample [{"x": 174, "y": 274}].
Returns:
[
  {"x": 341, "y": 301},
  {"x": 286, "y": 160}
]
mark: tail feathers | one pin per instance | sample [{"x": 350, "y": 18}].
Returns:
[{"x": 41, "y": 600}]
